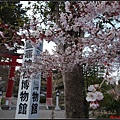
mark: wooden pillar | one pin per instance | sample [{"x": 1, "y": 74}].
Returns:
[{"x": 49, "y": 90}]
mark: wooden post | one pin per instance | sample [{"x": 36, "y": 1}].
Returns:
[
  {"x": 49, "y": 90},
  {"x": 10, "y": 85}
]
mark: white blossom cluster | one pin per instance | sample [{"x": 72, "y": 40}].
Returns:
[
  {"x": 93, "y": 96},
  {"x": 100, "y": 43},
  {"x": 103, "y": 44}
]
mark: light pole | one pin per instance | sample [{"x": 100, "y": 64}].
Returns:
[{"x": 57, "y": 100}]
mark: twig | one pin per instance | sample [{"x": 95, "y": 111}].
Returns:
[{"x": 101, "y": 83}]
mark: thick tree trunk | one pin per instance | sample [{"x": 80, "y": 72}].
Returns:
[
  {"x": 74, "y": 89},
  {"x": 75, "y": 103}
]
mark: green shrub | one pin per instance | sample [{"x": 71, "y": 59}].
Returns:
[
  {"x": 2, "y": 101},
  {"x": 42, "y": 99}
]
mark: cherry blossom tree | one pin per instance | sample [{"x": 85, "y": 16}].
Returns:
[
  {"x": 102, "y": 41},
  {"x": 68, "y": 34},
  {"x": 74, "y": 49}
]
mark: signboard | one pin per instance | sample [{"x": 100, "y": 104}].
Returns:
[{"x": 29, "y": 86}]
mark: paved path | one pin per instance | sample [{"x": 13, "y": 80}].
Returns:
[{"x": 43, "y": 114}]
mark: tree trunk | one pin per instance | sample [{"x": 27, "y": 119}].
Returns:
[{"x": 74, "y": 89}]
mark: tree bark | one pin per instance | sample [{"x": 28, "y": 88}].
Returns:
[{"x": 74, "y": 89}]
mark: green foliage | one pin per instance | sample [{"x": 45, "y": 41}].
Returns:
[
  {"x": 42, "y": 99},
  {"x": 2, "y": 101},
  {"x": 113, "y": 106},
  {"x": 107, "y": 98},
  {"x": 109, "y": 102},
  {"x": 12, "y": 13}
]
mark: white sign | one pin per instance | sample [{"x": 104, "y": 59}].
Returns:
[{"x": 29, "y": 87}]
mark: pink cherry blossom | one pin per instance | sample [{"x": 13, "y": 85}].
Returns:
[
  {"x": 111, "y": 80},
  {"x": 99, "y": 95},
  {"x": 91, "y": 96},
  {"x": 67, "y": 5},
  {"x": 48, "y": 33},
  {"x": 94, "y": 105},
  {"x": 91, "y": 88},
  {"x": 2, "y": 34}
]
